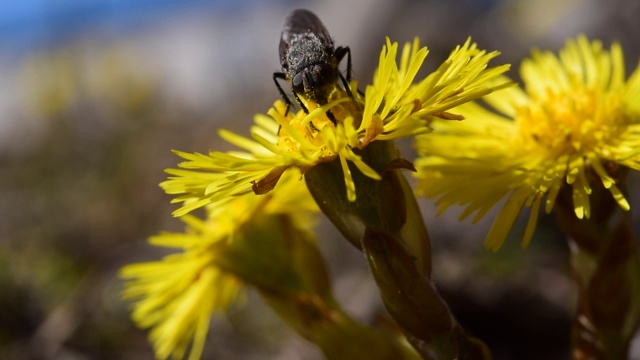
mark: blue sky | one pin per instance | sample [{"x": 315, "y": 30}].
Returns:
[{"x": 25, "y": 24}]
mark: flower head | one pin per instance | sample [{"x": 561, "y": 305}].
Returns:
[
  {"x": 394, "y": 106},
  {"x": 575, "y": 121},
  {"x": 177, "y": 295}
]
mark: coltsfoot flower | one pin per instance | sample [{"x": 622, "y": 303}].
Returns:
[
  {"x": 176, "y": 296},
  {"x": 393, "y": 106},
  {"x": 575, "y": 122}
]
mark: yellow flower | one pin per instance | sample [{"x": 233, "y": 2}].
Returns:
[
  {"x": 576, "y": 120},
  {"x": 393, "y": 107},
  {"x": 177, "y": 295}
]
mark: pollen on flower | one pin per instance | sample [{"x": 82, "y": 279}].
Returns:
[
  {"x": 577, "y": 121},
  {"x": 394, "y": 106}
]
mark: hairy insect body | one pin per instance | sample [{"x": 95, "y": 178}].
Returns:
[
  {"x": 310, "y": 61},
  {"x": 310, "y": 67}
]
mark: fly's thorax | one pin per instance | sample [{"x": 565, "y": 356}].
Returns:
[
  {"x": 310, "y": 66},
  {"x": 304, "y": 50}
]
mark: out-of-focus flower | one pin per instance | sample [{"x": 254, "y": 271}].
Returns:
[
  {"x": 575, "y": 123},
  {"x": 177, "y": 295},
  {"x": 53, "y": 83}
]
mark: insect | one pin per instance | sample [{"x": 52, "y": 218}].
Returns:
[{"x": 309, "y": 60}]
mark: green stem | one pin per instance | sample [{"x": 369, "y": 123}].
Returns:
[
  {"x": 271, "y": 254},
  {"x": 606, "y": 262},
  {"x": 385, "y": 223}
]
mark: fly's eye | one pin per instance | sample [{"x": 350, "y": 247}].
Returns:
[{"x": 297, "y": 83}]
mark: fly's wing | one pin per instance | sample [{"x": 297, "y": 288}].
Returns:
[{"x": 301, "y": 21}]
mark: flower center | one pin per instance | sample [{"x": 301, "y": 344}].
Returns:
[{"x": 571, "y": 122}]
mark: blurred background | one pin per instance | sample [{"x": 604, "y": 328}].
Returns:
[{"x": 95, "y": 93}]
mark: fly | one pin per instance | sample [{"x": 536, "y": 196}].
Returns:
[{"x": 309, "y": 60}]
